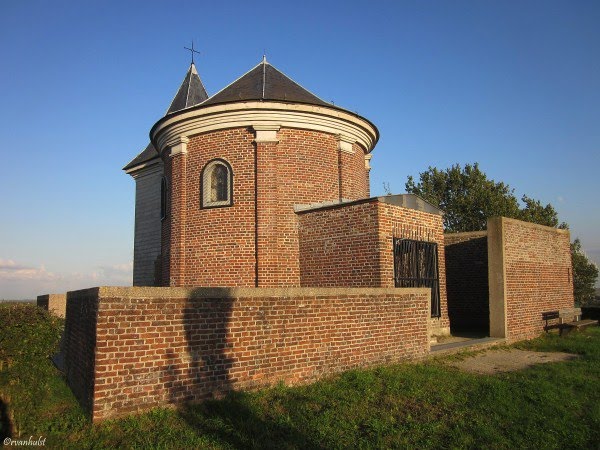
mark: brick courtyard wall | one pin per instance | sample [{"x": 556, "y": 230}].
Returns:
[
  {"x": 166, "y": 346},
  {"x": 467, "y": 281},
  {"x": 352, "y": 245},
  {"x": 529, "y": 272},
  {"x": 79, "y": 344},
  {"x": 53, "y": 303},
  {"x": 254, "y": 242}
]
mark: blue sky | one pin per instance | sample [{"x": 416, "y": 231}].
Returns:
[{"x": 513, "y": 85}]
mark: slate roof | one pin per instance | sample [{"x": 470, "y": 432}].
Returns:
[
  {"x": 148, "y": 154},
  {"x": 264, "y": 82},
  {"x": 190, "y": 93}
]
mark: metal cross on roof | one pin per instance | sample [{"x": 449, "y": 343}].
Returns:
[{"x": 192, "y": 51}]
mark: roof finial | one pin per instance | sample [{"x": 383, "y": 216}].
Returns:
[
  {"x": 264, "y": 56},
  {"x": 192, "y": 51}
]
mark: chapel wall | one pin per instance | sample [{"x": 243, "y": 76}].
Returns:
[
  {"x": 147, "y": 236},
  {"x": 254, "y": 242}
]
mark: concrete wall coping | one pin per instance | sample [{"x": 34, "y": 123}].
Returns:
[
  {"x": 50, "y": 296},
  {"x": 407, "y": 201},
  {"x": 530, "y": 225},
  {"x": 224, "y": 292}
]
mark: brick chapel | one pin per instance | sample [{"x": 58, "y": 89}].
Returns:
[{"x": 263, "y": 184}]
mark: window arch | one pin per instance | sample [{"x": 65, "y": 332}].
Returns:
[{"x": 216, "y": 184}]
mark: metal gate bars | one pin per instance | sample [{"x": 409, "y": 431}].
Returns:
[{"x": 416, "y": 265}]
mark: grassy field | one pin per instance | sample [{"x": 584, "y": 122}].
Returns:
[{"x": 426, "y": 405}]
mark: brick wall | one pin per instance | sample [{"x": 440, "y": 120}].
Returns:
[
  {"x": 254, "y": 241},
  {"x": 529, "y": 272},
  {"x": 53, "y": 303},
  {"x": 401, "y": 222},
  {"x": 160, "y": 346},
  {"x": 79, "y": 344},
  {"x": 467, "y": 281},
  {"x": 339, "y": 246},
  {"x": 352, "y": 245}
]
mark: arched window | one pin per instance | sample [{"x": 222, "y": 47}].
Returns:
[
  {"x": 163, "y": 197},
  {"x": 216, "y": 184}
]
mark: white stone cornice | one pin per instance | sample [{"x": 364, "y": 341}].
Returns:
[
  {"x": 178, "y": 146},
  {"x": 345, "y": 144},
  {"x": 145, "y": 169},
  {"x": 265, "y": 114},
  {"x": 265, "y": 133}
]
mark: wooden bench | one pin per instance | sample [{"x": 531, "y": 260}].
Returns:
[{"x": 568, "y": 319}]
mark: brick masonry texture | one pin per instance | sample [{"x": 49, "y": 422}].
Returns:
[
  {"x": 352, "y": 245},
  {"x": 538, "y": 275},
  {"x": 467, "y": 281},
  {"x": 79, "y": 344},
  {"x": 53, "y": 303},
  {"x": 254, "y": 242},
  {"x": 129, "y": 349}
]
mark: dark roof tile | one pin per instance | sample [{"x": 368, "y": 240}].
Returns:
[
  {"x": 148, "y": 154},
  {"x": 190, "y": 93},
  {"x": 264, "y": 82}
]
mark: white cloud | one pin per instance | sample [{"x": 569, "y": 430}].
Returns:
[
  {"x": 19, "y": 281},
  {"x": 10, "y": 270}
]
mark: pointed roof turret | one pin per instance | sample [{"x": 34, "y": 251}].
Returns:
[
  {"x": 265, "y": 82},
  {"x": 190, "y": 93}
]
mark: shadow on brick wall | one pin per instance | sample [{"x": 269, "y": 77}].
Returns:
[{"x": 206, "y": 385}]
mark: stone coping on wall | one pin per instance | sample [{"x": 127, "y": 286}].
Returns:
[
  {"x": 409, "y": 201},
  {"x": 233, "y": 292},
  {"x": 530, "y": 225}
]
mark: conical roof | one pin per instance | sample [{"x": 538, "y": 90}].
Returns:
[
  {"x": 190, "y": 93},
  {"x": 265, "y": 82}
]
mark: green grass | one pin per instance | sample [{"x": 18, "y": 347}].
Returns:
[{"x": 426, "y": 405}]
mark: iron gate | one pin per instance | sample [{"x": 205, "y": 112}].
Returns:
[{"x": 416, "y": 265}]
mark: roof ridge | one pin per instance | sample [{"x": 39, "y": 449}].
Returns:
[
  {"x": 298, "y": 84},
  {"x": 187, "y": 94},
  {"x": 233, "y": 82}
]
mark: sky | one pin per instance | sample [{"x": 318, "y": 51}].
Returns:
[{"x": 513, "y": 85}]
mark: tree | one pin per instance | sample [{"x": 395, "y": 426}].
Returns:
[
  {"x": 585, "y": 274},
  {"x": 469, "y": 198}
]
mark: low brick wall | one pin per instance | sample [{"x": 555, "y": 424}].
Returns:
[
  {"x": 530, "y": 272},
  {"x": 53, "y": 303},
  {"x": 467, "y": 281},
  {"x": 129, "y": 349}
]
